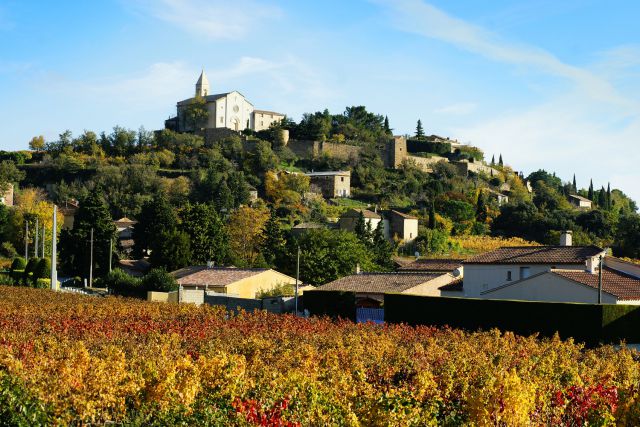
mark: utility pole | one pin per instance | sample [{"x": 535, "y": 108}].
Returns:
[
  {"x": 54, "y": 272},
  {"x": 44, "y": 231},
  {"x": 26, "y": 240},
  {"x": 600, "y": 281},
  {"x": 35, "y": 246},
  {"x": 110, "y": 252},
  {"x": 297, "y": 279},
  {"x": 91, "y": 262}
]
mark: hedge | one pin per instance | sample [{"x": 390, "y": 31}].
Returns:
[
  {"x": 590, "y": 323},
  {"x": 331, "y": 303}
]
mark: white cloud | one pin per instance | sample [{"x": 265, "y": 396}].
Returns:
[
  {"x": 212, "y": 19},
  {"x": 461, "y": 108}
]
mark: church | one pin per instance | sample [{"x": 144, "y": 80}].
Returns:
[{"x": 230, "y": 110}]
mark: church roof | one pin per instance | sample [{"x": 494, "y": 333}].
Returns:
[{"x": 213, "y": 98}]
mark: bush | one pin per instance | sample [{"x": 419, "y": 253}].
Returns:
[
  {"x": 29, "y": 269},
  {"x": 18, "y": 264},
  {"x": 159, "y": 280},
  {"x": 282, "y": 290},
  {"x": 42, "y": 270},
  {"x": 120, "y": 283},
  {"x": 42, "y": 283}
]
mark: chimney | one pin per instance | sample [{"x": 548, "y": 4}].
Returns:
[
  {"x": 358, "y": 268},
  {"x": 566, "y": 238}
]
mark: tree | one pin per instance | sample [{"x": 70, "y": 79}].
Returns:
[
  {"x": 159, "y": 280},
  {"x": 327, "y": 255},
  {"x": 387, "y": 129},
  {"x": 274, "y": 244},
  {"x": 246, "y": 234},
  {"x": 481, "y": 208},
  {"x": 360, "y": 228},
  {"x": 419, "y": 129},
  {"x": 9, "y": 174},
  {"x": 590, "y": 194},
  {"x": 574, "y": 188},
  {"x": 432, "y": 216},
  {"x": 500, "y": 160},
  {"x": 381, "y": 248},
  {"x": 172, "y": 250},
  {"x": 37, "y": 143},
  {"x": 609, "y": 204},
  {"x": 628, "y": 236},
  {"x": 155, "y": 216},
  {"x": 196, "y": 113},
  {"x": 207, "y": 234},
  {"x": 75, "y": 246},
  {"x": 493, "y": 160},
  {"x": 602, "y": 198}
]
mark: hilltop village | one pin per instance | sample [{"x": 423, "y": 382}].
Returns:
[{"x": 232, "y": 203}]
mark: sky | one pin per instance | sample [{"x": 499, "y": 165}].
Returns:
[{"x": 549, "y": 85}]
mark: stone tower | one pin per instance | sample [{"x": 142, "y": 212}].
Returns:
[{"x": 202, "y": 85}]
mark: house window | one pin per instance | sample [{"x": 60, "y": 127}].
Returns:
[
  {"x": 411, "y": 235},
  {"x": 509, "y": 276},
  {"x": 261, "y": 123},
  {"x": 342, "y": 179},
  {"x": 525, "y": 272}
]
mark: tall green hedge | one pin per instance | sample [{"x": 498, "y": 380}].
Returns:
[
  {"x": 590, "y": 323},
  {"x": 331, "y": 303}
]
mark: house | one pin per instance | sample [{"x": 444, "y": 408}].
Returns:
[
  {"x": 135, "y": 267},
  {"x": 7, "y": 198},
  {"x": 228, "y": 110},
  {"x": 331, "y": 184},
  {"x": 124, "y": 230},
  {"x": 350, "y": 218},
  {"x": 239, "y": 282},
  {"x": 434, "y": 265},
  {"x": 580, "y": 202},
  {"x": 497, "y": 196},
  {"x": 402, "y": 226},
  {"x": 505, "y": 265},
  {"x": 69, "y": 210},
  {"x": 369, "y": 288}
]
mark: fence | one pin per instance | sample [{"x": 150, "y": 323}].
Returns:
[
  {"x": 235, "y": 304},
  {"x": 375, "y": 315}
]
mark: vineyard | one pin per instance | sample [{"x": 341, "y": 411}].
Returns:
[{"x": 72, "y": 359}]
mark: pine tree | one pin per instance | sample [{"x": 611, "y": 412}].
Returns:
[
  {"x": 156, "y": 216},
  {"x": 500, "y": 160},
  {"x": 382, "y": 248},
  {"x": 609, "y": 205},
  {"x": 590, "y": 193},
  {"x": 493, "y": 160},
  {"x": 419, "y": 129},
  {"x": 432, "y": 216},
  {"x": 575, "y": 186},
  {"x": 207, "y": 234}
]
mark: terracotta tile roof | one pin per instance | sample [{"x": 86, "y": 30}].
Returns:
[
  {"x": 456, "y": 285},
  {"x": 329, "y": 173},
  {"x": 617, "y": 283},
  {"x": 305, "y": 225},
  {"x": 355, "y": 213},
  {"x": 582, "y": 199},
  {"x": 134, "y": 267},
  {"x": 435, "y": 264},
  {"x": 201, "y": 275},
  {"x": 378, "y": 282},
  {"x": 537, "y": 255}
]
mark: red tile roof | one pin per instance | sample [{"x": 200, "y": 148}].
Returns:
[
  {"x": 201, "y": 275},
  {"x": 378, "y": 283},
  {"x": 617, "y": 283},
  {"x": 355, "y": 213},
  {"x": 434, "y": 264},
  {"x": 403, "y": 215},
  {"x": 537, "y": 255}
]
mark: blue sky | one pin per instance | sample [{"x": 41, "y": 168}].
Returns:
[{"x": 548, "y": 84}]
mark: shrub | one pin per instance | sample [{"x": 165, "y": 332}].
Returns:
[
  {"x": 159, "y": 280},
  {"x": 42, "y": 270},
  {"x": 7, "y": 250},
  {"x": 18, "y": 264},
  {"x": 282, "y": 290},
  {"x": 120, "y": 283},
  {"x": 29, "y": 269},
  {"x": 42, "y": 283}
]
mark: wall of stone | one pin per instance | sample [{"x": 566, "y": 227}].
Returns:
[
  {"x": 304, "y": 149},
  {"x": 340, "y": 151}
]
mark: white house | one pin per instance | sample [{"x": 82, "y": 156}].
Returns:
[
  {"x": 403, "y": 226},
  {"x": 349, "y": 219},
  {"x": 507, "y": 265},
  {"x": 229, "y": 110}
]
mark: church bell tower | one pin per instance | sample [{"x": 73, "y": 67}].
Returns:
[{"x": 202, "y": 85}]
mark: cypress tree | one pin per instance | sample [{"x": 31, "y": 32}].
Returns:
[
  {"x": 493, "y": 160},
  {"x": 500, "y": 160},
  {"x": 419, "y": 129},
  {"x": 360, "y": 228},
  {"x": 432, "y": 216},
  {"x": 273, "y": 248},
  {"x": 590, "y": 193},
  {"x": 387, "y": 129},
  {"x": 609, "y": 196},
  {"x": 481, "y": 208},
  {"x": 602, "y": 198},
  {"x": 575, "y": 186}
]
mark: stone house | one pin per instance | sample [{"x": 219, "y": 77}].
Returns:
[
  {"x": 331, "y": 184},
  {"x": 349, "y": 219},
  {"x": 580, "y": 202},
  {"x": 402, "y": 226},
  {"x": 239, "y": 282}
]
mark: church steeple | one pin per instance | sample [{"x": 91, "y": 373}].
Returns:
[{"x": 202, "y": 85}]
